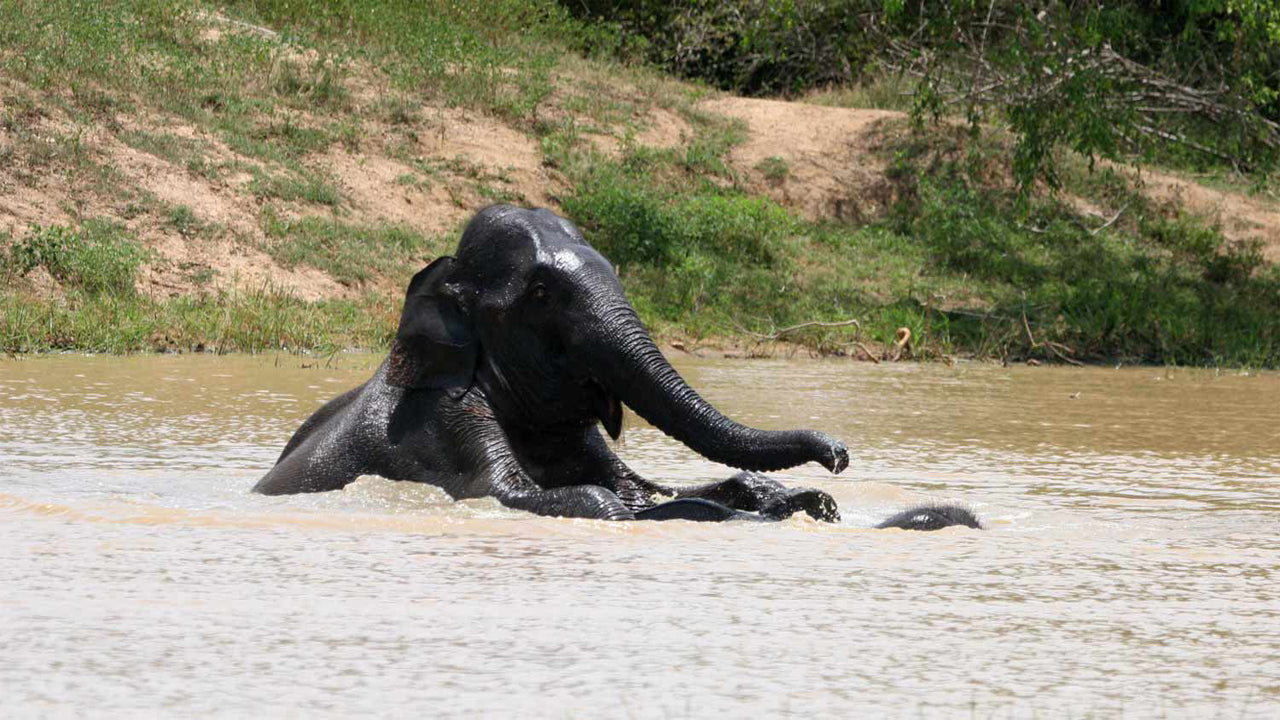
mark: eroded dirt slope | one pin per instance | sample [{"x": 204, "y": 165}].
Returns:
[
  {"x": 207, "y": 209},
  {"x": 818, "y": 160},
  {"x": 1242, "y": 216},
  {"x": 142, "y": 190},
  {"x": 827, "y": 167}
]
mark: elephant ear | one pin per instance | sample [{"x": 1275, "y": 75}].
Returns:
[{"x": 436, "y": 345}]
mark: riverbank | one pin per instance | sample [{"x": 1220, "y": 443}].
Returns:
[{"x": 267, "y": 177}]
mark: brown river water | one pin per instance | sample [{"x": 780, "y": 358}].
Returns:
[{"x": 1130, "y": 567}]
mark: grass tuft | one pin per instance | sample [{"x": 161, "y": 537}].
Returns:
[
  {"x": 305, "y": 187},
  {"x": 351, "y": 254}
]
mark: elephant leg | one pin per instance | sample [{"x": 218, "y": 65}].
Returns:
[
  {"x": 310, "y": 470},
  {"x": 593, "y": 501},
  {"x": 493, "y": 468},
  {"x": 320, "y": 456},
  {"x": 583, "y": 501},
  {"x": 697, "y": 510},
  {"x": 637, "y": 493},
  {"x": 504, "y": 478},
  {"x": 755, "y": 492},
  {"x": 596, "y": 463}
]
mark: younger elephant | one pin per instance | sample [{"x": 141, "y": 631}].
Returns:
[{"x": 506, "y": 358}]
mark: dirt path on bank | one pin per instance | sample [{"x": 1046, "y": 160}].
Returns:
[
  {"x": 1242, "y": 217},
  {"x": 833, "y": 171}
]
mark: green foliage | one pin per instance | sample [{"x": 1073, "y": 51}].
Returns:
[
  {"x": 634, "y": 224},
  {"x": 700, "y": 259},
  {"x": 1184, "y": 83},
  {"x": 748, "y": 46},
  {"x": 962, "y": 260},
  {"x": 1195, "y": 83},
  {"x": 98, "y": 257},
  {"x": 1162, "y": 288}
]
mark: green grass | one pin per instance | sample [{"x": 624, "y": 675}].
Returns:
[
  {"x": 252, "y": 321},
  {"x": 701, "y": 259},
  {"x": 1155, "y": 286},
  {"x": 880, "y": 92},
  {"x": 99, "y": 311},
  {"x": 774, "y": 168},
  {"x": 351, "y": 254},
  {"x": 305, "y": 187},
  {"x": 183, "y": 219},
  {"x": 165, "y": 146},
  {"x": 494, "y": 56}
]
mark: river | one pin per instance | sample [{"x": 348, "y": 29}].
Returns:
[{"x": 1130, "y": 566}]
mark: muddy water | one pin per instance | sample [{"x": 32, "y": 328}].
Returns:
[{"x": 1130, "y": 568}]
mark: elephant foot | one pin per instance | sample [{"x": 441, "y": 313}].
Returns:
[
  {"x": 751, "y": 491},
  {"x": 932, "y": 517},
  {"x": 816, "y": 503},
  {"x": 696, "y": 510}
]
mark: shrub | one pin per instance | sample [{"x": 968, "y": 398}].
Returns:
[
  {"x": 98, "y": 257},
  {"x": 774, "y": 168},
  {"x": 1191, "y": 82},
  {"x": 633, "y": 223}
]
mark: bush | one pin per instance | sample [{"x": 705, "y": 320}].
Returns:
[
  {"x": 633, "y": 223},
  {"x": 1158, "y": 288},
  {"x": 99, "y": 257},
  {"x": 748, "y": 46},
  {"x": 1192, "y": 82}
]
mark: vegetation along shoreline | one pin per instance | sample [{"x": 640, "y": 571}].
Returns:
[{"x": 265, "y": 175}]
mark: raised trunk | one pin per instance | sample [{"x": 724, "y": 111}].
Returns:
[{"x": 630, "y": 366}]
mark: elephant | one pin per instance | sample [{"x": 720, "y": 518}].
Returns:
[{"x": 508, "y": 358}]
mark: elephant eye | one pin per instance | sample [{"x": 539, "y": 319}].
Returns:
[{"x": 540, "y": 293}]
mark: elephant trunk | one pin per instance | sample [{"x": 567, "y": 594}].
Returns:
[{"x": 630, "y": 366}]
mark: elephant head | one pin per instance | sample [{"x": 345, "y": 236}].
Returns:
[{"x": 537, "y": 319}]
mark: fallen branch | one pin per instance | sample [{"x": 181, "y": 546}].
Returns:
[
  {"x": 1070, "y": 360},
  {"x": 778, "y": 334},
  {"x": 1175, "y": 138},
  {"x": 1110, "y": 222},
  {"x": 1055, "y": 348},
  {"x": 220, "y": 19}
]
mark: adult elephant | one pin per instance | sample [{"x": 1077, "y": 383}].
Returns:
[{"x": 506, "y": 357}]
